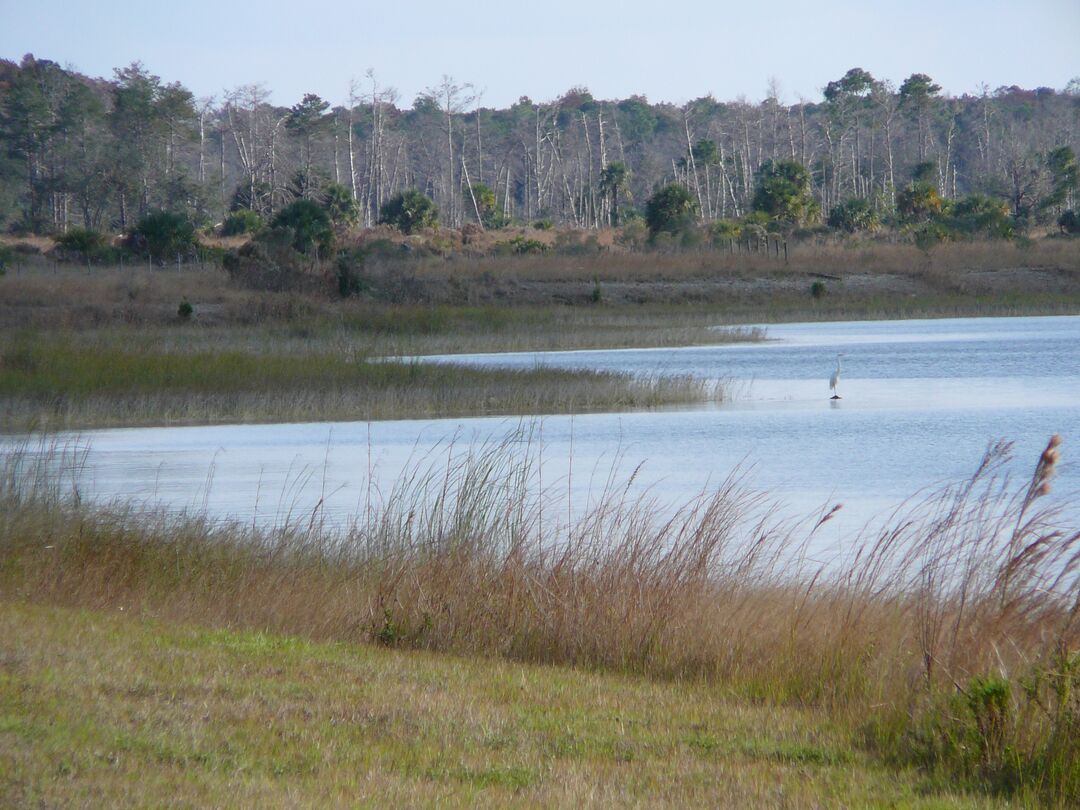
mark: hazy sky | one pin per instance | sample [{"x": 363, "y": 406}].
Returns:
[{"x": 667, "y": 51}]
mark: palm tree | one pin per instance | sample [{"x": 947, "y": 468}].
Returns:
[{"x": 615, "y": 178}]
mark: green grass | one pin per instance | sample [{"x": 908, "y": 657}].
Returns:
[
  {"x": 66, "y": 383},
  {"x": 107, "y": 710}
]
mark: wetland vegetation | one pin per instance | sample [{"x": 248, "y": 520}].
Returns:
[
  {"x": 167, "y": 262},
  {"x": 946, "y": 643}
]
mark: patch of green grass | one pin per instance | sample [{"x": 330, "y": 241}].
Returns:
[
  {"x": 59, "y": 382},
  {"x": 110, "y": 710}
]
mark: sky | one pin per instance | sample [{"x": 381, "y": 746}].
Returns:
[{"x": 670, "y": 52}]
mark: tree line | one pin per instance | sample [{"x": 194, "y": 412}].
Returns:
[{"x": 103, "y": 154}]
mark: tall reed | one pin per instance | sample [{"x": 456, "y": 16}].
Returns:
[{"x": 950, "y": 635}]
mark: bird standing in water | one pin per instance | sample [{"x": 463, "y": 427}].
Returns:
[{"x": 835, "y": 378}]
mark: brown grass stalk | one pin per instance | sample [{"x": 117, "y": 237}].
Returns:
[{"x": 980, "y": 580}]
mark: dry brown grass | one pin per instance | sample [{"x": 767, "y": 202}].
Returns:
[
  {"x": 951, "y": 635},
  {"x": 65, "y": 298},
  {"x": 844, "y": 258},
  {"x": 862, "y": 279}
]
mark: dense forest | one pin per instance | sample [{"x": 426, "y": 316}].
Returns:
[{"x": 101, "y": 154}]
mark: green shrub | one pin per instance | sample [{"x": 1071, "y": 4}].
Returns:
[
  {"x": 305, "y": 225},
  {"x": 670, "y": 210},
  {"x": 784, "y": 192},
  {"x": 723, "y": 231},
  {"x": 185, "y": 310},
  {"x": 340, "y": 205},
  {"x": 348, "y": 273},
  {"x": 918, "y": 202},
  {"x": 270, "y": 262},
  {"x": 1069, "y": 222},
  {"x": 409, "y": 211},
  {"x": 84, "y": 245},
  {"x": 853, "y": 215},
  {"x": 163, "y": 236},
  {"x": 241, "y": 221},
  {"x": 930, "y": 234},
  {"x": 979, "y": 215},
  {"x": 521, "y": 245},
  {"x": 211, "y": 253},
  {"x": 83, "y": 241}
]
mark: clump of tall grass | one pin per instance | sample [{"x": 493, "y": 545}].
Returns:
[
  {"x": 62, "y": 384},
  {"x": 951, "y": 635}
]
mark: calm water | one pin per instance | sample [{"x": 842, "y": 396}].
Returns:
[{"x": 921, "y": 401}]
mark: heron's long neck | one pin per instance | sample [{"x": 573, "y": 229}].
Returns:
[{"x": 837, "y": 365}]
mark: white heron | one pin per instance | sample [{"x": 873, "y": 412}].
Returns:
[{"x": 835, "y": 378}]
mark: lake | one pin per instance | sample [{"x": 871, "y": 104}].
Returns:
[{"x": 921, "y": 401}]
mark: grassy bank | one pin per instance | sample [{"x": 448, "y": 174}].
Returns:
[
  {"x": 64, "y": 384},
  {"x": 948, "y": 641},
  {"x": 547, "y": 296},
  {"x": 97, "y": 708},
  {"x": 119, "y": 352}
]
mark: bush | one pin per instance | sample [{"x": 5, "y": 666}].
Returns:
[
  {"x": 853, "y": 215},
  {"x": 521, "y": 245},
  {"x": 670, "y": 210},
  {"x": 350, "y": 281},
  {"x": 723, "y": 231},
  {"x": 784, "y": 192},
  {"x": 340, "y": 205},
  {"x": 576, "y": 243},
  {"x": 409, "y": 211},
  {"x": 241, "y": 221},
  {"x": 163, "y": 236},
  {"x": 6, "y": 257},
  {"x": 1069, "y": 222},
  {"x": 185, "y": 310},
  {"x": 930, "y": 234},
  {"x": 84, "y": 245},
  {"x": 83, "y": 241},
  {"x": 271, "y": 263},
  {"x": 632, "y": 235},
  {"x": 979, "y": 215},
  {"x": 306, "y": 226},
  {"x": 918, "y": 202},
  {"x": 211, "y": 253}
]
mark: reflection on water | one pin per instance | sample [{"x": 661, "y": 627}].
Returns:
[{"x": 921, "y": 402}]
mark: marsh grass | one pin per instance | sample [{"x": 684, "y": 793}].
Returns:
[
  {"x": 58, "y": 383},
  {"x": 472, "y": 295},
  {"x": 855, "y": 256},
  {"x": 949, "y": 637}
]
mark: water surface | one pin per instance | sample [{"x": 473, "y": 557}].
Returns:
[{"x": 921, "y": 401}]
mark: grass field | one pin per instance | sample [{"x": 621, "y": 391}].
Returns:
[{"x": 100, "y": 709}]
